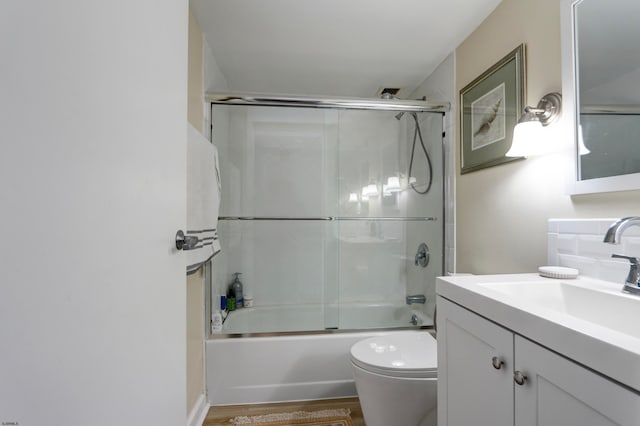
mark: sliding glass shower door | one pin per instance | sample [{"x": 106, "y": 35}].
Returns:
[{"x": 319, "y": 215}]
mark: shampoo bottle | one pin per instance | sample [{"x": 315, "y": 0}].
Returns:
[
  {"x": 231, "y": 299},
  {"x": 236, "y": 285}
]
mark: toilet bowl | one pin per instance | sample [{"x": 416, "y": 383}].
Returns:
[{"x": 396, "y": 378}]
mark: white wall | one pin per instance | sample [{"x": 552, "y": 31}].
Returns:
[
  {"x": 92, "y": 177},
  {"x": 214, "y": 81}
]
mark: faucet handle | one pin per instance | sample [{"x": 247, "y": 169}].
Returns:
[
  {"x": 632, "y": 259},
  {"x": 632, "y": 283}
]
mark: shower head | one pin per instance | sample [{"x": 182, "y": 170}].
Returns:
[{"x": 399, "y": 115}]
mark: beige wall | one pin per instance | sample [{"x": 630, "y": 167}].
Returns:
[
  {"x": 195, "y": 282},
  {"x": 195, "y": 111},
  {"x": 502, "y": 212},
  {"x": 195, "y": 338}
]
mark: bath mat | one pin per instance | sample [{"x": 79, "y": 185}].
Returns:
[{"x": 338, "y": 417}]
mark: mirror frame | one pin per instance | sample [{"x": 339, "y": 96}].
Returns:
[{"x": 571, "y": 113}]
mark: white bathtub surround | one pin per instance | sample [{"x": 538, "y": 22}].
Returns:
[
  {"x": 297, "y": 162},
  {"x": 281, "y": 368},
  {"x": 577, "y": 243},
  {"x": 203, "y": 197}
]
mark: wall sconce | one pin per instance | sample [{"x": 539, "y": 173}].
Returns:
[
  {"x": 353, "y": 197},
  {"x": 528, "y": 135}
]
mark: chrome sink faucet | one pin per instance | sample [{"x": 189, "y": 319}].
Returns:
[{"x": 613, "y": 235}]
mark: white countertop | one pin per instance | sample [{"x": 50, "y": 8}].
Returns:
[{"x": 612, "y": 352}]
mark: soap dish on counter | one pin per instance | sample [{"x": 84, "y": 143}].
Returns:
[{"x": 558, "y": 272}]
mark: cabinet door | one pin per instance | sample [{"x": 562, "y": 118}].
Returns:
[
  {"x": 471, "y": 391},
  {"x": 560, "y": 392}
]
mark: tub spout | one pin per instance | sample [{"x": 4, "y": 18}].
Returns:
[{"x": 416, "y": 298}]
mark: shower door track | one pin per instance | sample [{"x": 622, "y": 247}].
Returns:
[
  {"x": 332, "y": 218},
  {"x": 400, "y": 105}
]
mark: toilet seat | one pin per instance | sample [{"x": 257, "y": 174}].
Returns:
[{"x": 411, "y": 354}]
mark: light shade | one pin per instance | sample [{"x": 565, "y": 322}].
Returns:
[
  {"x": 353, "y": 197},
  {"x": 526, "y": 139}
]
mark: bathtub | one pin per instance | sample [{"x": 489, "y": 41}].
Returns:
[{"x": 247, "y": 369}]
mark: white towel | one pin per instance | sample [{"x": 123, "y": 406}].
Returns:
[{"x": 203, "y": 198}]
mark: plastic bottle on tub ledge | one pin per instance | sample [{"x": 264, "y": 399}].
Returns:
[
  {"x": 248, "y": 300},
  {"x": 216, "y": 316},
  {"x": 231, "y": 299},
  {"x": 236, "y": 289}
]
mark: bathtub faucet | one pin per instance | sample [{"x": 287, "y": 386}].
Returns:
[{"x": 416, "y": 298}]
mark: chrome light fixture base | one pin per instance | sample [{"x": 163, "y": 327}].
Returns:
[{"x": 548, "y": 109}]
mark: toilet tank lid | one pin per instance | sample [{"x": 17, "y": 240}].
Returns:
[{"x": 398, "y": 351}]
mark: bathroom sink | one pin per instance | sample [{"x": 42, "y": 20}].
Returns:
[
  {"x": 597, "y": 302},
  {"x": 589, "y": 321}
]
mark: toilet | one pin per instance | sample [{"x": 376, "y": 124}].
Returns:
[{"x": 396, "y": 378}]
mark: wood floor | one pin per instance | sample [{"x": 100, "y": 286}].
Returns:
[{"x": 219, "y": 416}]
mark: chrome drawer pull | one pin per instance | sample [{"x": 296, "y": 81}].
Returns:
[
  {"x": 497, "y": 363},
  {"x": 519, "y": 378}
]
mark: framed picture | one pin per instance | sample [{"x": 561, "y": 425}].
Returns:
[{"x": 490, "y": 108}]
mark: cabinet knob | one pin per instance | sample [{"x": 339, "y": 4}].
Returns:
[
  {"x": 497, "y": 363},
  {"x": 519, "y": 378}
]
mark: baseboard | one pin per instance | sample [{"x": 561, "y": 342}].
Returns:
[{"x": 198, "y": 412}]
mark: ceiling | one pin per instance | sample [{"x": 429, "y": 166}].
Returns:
[{"x": 334, "y": 47}]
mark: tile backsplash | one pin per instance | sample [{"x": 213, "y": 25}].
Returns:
[{"x": 577, "y": 243}]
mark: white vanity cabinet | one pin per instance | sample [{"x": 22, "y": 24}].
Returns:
[{"x": 478, "y": 364}]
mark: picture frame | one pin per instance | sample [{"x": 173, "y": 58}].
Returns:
[{"x": 490, "y": 107}]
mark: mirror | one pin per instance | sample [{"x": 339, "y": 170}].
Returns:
[{"x": 601, "y": 79}]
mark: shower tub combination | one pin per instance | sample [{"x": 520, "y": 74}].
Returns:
[{"x": 321, "y": 216}]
